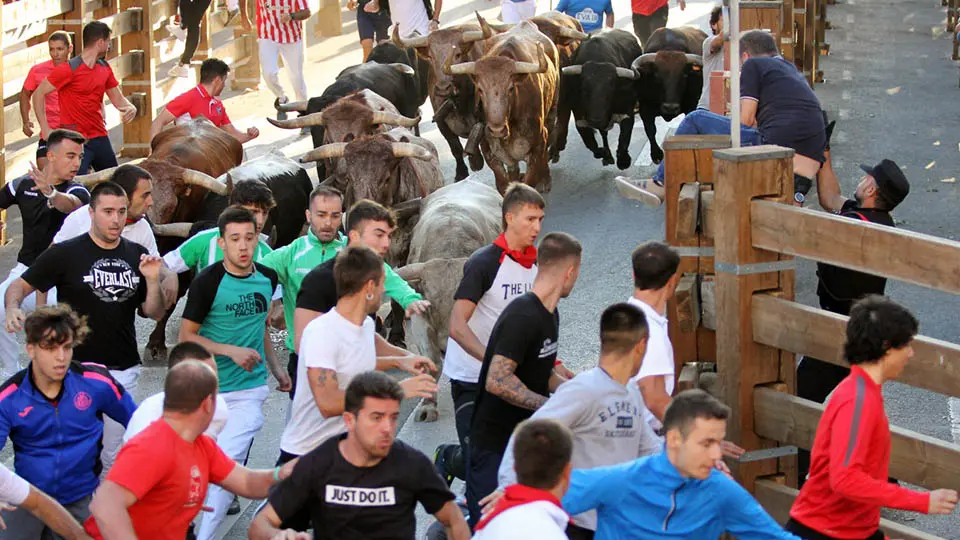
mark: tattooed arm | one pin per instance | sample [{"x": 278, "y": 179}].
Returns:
[
  {"x": 503, "y": 383},
  {"x": 326, "y": 391}
]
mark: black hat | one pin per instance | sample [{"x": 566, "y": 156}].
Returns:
[{"x": 891, "y": 183}]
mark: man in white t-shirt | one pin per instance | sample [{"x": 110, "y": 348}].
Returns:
[
  {"x": 151, "y": 409},
  {"x": 415, "y": 16},
  {"x": 138, "y": 184},
  {"x": 337, "y": 346},
  {"x": 15, "y": 492}
]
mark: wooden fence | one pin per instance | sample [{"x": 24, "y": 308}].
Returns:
[{"x": 732, "y": 219}]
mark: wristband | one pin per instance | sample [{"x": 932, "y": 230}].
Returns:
[
  {"x": 801, "y": 184},
  {"x": 276, "y": 474},
  {"x": 53, "y": 193}
]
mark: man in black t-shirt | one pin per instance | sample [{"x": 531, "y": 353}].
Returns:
[
  {"x": 44, "y": 198},
  {"x": 104, "y": 278},
  {"x": 364, "y": 484},
  {"x": 882, "y": 188},
  {"x": 518, "y": 373}
]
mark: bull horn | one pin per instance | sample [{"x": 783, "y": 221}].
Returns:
[
  {"x": 403, "y": 68},
  {"x": 204, "y": 180},
  {"x": 529, "y": 67},
  {"x": 92, "y": 179},
  {"x": 310, "y": 120},
  {"x": 293, "y": 106},
  {"x": 419, "y": 41},
  {"x": 407, "y": 209},
  {"x": 411, "y": 272},
  {"x": 500, "y": 27},
  {"x": 392, "y": 119},
  {"x": 443, "y": 110},
  {"x": 327, "y": 151},
  {"x": 574, "y": 70},
  {"x": 180, "y": 230},
  {"x": 330, "y": 181},
  {"x": 647, "y": 58},
  {"x": 464, "y": 68},
  {"x": 694, "y": 59},
  {"x": 570, "y": 33},
  {"x": 471, "y": 35},
  {"x": 485, "y": 28},
  {"x": 625, "y": 73},
  {"x": 402, "y": 150}
]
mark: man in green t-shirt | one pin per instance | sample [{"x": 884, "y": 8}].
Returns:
[{"x": 226, "y": 312}]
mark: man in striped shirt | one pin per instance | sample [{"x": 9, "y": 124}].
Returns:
[{"x": 280, "y": 33}]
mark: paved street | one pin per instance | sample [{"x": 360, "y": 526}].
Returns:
[{"x": 891, "y": 85}]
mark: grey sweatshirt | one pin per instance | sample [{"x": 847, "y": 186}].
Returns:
[{"x": 606, "y": 418}]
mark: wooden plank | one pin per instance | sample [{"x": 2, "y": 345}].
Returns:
[
  {"x": 707, "y": 216},
  {"x": 328, "y": 21},
  {"x": 688, "y": 211},
  {"x": 908, "y": 256},
  {"x": 777, "y": 500},
  {"x": 17, "y": 64},
  {"x": 18, "y": 14},
  {"x": 234, "y": 50},
  {"x": 127, "y": 64},
  {"x": 708, "y": 302},
  {"x": 820, "y": 334},
  {"x": 687, "y": 378},
  {"x": 130, "y": 20},
  {"x": 140, "y": 84},
  {"x": 688, "y": 303},
  {"x": 914, "y": 458}
]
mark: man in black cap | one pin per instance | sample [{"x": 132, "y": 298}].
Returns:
[{"x": 880, "y": 191}]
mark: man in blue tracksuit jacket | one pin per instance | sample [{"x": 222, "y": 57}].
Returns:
[
  {"x": 53, "y": 412},
  {"x": 677, "y": 493}
]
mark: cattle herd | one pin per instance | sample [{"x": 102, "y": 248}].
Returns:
[{"x": 508, "y": 90}]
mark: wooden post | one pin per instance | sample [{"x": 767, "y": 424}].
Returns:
[
  {"x": 247, "y": 73},
  {"x": 741, "y": 270},
  {"x": 140, "y": 88},
  {"x": 328, "y": 22}
]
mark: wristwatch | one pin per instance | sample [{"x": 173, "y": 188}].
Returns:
[{"x": 799, "y": 197}]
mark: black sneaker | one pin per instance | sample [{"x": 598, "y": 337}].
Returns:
[
  {"x": 234, "y": 507},
  {"x": 440, "y": 462}
]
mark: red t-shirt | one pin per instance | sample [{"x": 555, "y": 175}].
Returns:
[
  {"x": 169, "y": 477},
  {"x": 646, "y": 7},
  {"x": 849, "y": 463},
  {"x": 35, "y": 76},
  {"x": 81, "y": 92},
  {"x": 198, "y": 102},
  {"x": 268, "y": 20}
]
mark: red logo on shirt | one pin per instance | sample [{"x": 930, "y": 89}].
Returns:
[
  {"x": 82, "y": 401},
  {"x": 25, "y": 412}
]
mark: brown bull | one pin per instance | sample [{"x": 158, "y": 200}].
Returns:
[
  {"x": 517, "y": 84},
  {"x": 452, "y": 96},
  {"x": 564, "y": 31}
]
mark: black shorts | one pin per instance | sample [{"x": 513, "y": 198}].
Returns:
[
  {"x": 42, "y": 149},
  {"x": 372, "y": 24}
]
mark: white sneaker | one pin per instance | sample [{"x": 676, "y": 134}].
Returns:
[
  {"x": 177, "y": 32},
  {"x": 179, "y": 70}
]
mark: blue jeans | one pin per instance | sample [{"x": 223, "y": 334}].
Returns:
[
  {"x": 97, "y": 152},
  {"x": 482, "y": 468},
  {"x": 701, "y": 122}
]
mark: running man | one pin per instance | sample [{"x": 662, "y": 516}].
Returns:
[
  {"x": 81, "y": 84},
  {"x": 335, "y": 481},
  {"x": 61, "y": 49},
  {"x": 226, "y": 312},
  {"x": 280, "y": 34}
]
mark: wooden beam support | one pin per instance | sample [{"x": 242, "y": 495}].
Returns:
[
  {"x": 908, "y": 256},
  {"x": 130, "y": 20},
  {"x": 914, "y": 458},
  {"x": 688, "y": 211},
  {"x": 777, "y": 499},
  {"x": 127, "y": 64},
  {"x": 707, "y": 217},
  {"x": 18, "y": 14},
  {"x": 246, "y": 75},
  {"x": 740, "y": 175},
  {"x": 820, "y": 334},
  {"x": 687, "y": 296},
  {"x": 708, "y": 302},
  {"x": 140, "y": 81}
]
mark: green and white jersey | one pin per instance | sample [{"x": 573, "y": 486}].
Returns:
[
  {"x": 232, "y": 310},
  {"x": 201, "y": 250}
]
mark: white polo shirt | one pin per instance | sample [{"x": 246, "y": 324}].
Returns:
[
  {"x": 658, "y": 359},
  {"x": 78, "y": 222}
]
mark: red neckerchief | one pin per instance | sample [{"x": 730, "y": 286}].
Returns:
[
  {"x": 517, "y": 495},
  {"x": 526, "y": 258}
]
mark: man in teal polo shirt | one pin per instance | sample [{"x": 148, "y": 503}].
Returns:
[{"x": 226, "y": 312}]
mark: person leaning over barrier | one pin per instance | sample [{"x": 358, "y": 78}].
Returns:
[
  {"x": 676, "y": 493},
  {"x": 850, "y": 459}
]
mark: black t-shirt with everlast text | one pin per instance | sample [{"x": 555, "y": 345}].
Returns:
[
  {"x": 838, "y": 288},
  {"x": 346, "y": 502},
  {"x": 527, "y": 334},
  {"x": 104, "y": 285},
  {"x": 40, "y": 221}
]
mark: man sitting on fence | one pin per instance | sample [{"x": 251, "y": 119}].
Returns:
[
  {"x": 60, "y": 49},
  {"x": 202, "y": 101},
  {"x": 851, "y": 450},
  {"x": 777, "y": 106}
]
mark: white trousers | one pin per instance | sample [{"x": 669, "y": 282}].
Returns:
[
  {"x": 233, "y": 5},
  {"x": 292, "y": 53},
  {"x": 9, "y": 348},
  {"x": 245, "y": 421},
  {"x": 514, "y": 12},
  {"x": 113, "y": 432}
]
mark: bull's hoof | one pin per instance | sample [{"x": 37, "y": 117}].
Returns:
[
  {"x": 607, "y": 160},
  {"x": 426, "y": 412},
  {"x": 623, "y": 161},
  {"x": 598, "y": 154},
  {"x": 461, "y": 171},
  {"x": 155, "y": 355},
  {"x": 656, "y": 155}
]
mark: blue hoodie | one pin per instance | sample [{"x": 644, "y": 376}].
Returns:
[{"x": 648, "y": 498}]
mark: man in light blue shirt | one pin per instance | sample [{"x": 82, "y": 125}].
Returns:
[
  {"x": 589, "y": 12},
  {"x": 676, "y": 493}
]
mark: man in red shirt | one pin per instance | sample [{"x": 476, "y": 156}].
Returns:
[
  {"x": 202, "y": 101},
  {"x": 159, "y": 481},
  {"x": 280, "y": 33},
  {"x": 850, "y": 459},
  {"x": 648, "y": 15},
  {"x": 81, "y": 83},
  {"x": 60, "y": 51}
]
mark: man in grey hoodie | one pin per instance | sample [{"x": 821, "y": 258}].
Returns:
[{"x": 602, "y": 409}]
